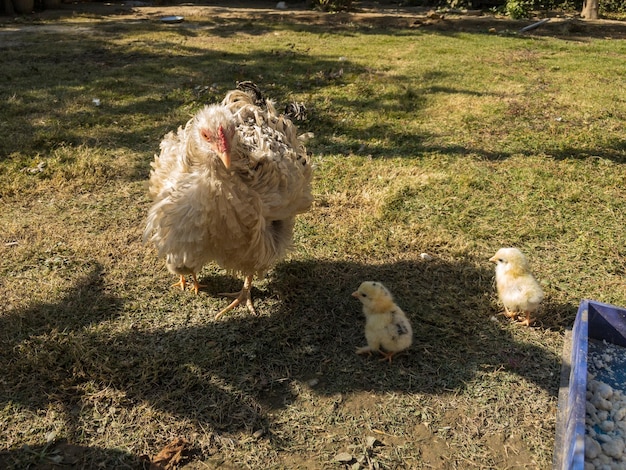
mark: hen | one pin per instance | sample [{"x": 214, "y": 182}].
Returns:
[
  {"x": 518, "y": 289},
  {"x": 387, "y": 329},
  {"x": 226, "y": 188}
]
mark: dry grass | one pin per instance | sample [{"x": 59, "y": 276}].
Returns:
[{"x": 446, "y": 142}]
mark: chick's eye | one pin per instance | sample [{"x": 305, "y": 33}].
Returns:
[
  {"x": 363, "y": 295},
  {"x": 500, "y": 260}
]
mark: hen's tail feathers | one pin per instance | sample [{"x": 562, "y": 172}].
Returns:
[
  {"x": 253, "y": 90},
  {"x": 296, "y": 111}
]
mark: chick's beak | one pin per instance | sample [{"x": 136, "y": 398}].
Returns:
[
  {"x": 355, "y": 294},
  {"x": 492, "y": 259}
]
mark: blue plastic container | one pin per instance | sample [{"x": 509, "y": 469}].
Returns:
[{"x": 594, "y": 320}]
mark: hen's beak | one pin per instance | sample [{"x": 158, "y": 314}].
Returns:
[{"x": 225, "y": 157}]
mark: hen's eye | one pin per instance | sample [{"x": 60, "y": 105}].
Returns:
[{"x": 206, "y": 135}]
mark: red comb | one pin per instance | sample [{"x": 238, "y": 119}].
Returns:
[{"x": 222, "y": 141}]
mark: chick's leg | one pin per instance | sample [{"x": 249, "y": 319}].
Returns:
[
  {"x": 196, "y": 284},
  {"x": 508, "y": 313},
  {"x": 526, "y": 321},
  {"x": 244, "y": 294},
  {"x": 181, "y": 283},
  {"x": 387, "y": 356}
]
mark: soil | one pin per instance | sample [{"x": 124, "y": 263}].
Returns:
[
  {"x": 384, "y": 15},
  {"x": 375, "y": 14}
]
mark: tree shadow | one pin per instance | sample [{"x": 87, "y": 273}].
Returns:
[
  {"x": 227, "y": 376},
  {"x": 61, "y": 454},
  {"x": 449, "y": 304},
  {"x": 90, "y": 65}
]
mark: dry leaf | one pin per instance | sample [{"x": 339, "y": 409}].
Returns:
[{"x": 171, "y": 455}]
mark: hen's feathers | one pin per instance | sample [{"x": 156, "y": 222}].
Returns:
[{"x": 242, "y": 216}]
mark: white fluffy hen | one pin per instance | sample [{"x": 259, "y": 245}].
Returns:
[
  {"x": 518, "y": 290},
  {"x": 226, "y": 188}
]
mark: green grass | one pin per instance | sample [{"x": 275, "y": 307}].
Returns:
[{"x": 445, "y": 142}]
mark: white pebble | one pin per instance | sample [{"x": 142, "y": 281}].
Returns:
[
  {"x": 607, "y": 426},
  {"x": 604, "y": 390},
  {"x": 605, "y": 412},
  {"x": 614, "y": 448},
  {"x": 600, "y": 403},
  {"x": 592, "y": 448},
  {"x": 619, "y": 413}
]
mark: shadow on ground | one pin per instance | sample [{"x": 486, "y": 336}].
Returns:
[{"x": 228, "y": 374}]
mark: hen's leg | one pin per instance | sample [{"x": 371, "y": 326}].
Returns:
[
  {"x": 244, "y": 294},
  {"x": 182, "y": 283}
]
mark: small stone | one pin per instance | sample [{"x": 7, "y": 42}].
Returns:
[
  {"x": 592, "y": 448},
  {"x": 344, "y": 457},
  {"x": 371, "y": 442},
  {"x": 258, "y": 433},
  {"x": 614, "y": 448}
]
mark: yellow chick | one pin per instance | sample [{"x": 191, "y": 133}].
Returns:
[
  {"x": 518, "y": 289},
  {"x": 387, "y": 329}
]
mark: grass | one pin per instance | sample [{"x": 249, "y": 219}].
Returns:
[{"x": 439, "y": 141}]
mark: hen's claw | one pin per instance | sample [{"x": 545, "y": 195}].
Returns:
[{"x": 244, "y": 294}]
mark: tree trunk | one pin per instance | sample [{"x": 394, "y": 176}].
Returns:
[
  {"x": 8, "y": 7},
  {"x": 590, "y": 10}
]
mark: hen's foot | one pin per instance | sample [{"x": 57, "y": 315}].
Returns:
[{"x": 244, "y": 294}]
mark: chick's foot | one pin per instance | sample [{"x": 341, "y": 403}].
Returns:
[
  {"x": 508, "y": 313},
  {"x": 196, "y": 284},
  {"x": 387, "y": 356},
  {"x": 527, "y": 321},
  {"x": 181, "y": 283}
]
